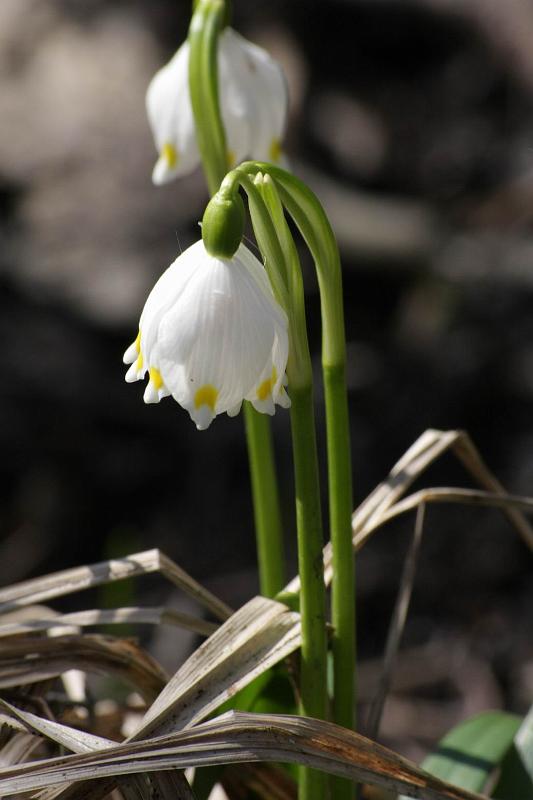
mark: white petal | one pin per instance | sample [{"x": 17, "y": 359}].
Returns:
[
  {"x": 263, "y": 82},
  {"x": 134, "y": 374},
  {"x": 151, "y": 395},
  {"x": 238, "y": 106},
  {"x": 211, "y": 333},
  {"x": 131, "y": 354},
  {"x": 222, "y": 330},
  {"x": 253, "y": 102},
  {"x": 232, "y": 412},
  {"x": 203, "y": 417},
  {"x": 164, "y": 294},
  {"x": 171, "y": 119},
  {"x": 265, "y": 406},
  {"x": 282, "y": 399}
]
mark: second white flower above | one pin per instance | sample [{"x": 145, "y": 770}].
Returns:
[
  {"x": 212, "y": 335},
  {"x": 253, "y": 104}
]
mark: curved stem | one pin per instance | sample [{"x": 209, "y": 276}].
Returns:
[
  {"x": 276, "y": 241},
  {"x": 310, "y": 218},
  {"x": 204, "y": 30},
  {"x": 206, "y": 23}
]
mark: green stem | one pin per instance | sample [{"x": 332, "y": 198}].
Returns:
[
  {"x": 313, "y": 702},
  {"x": 207, "y": 21},
  {"x": 204, "y": 31},
  {"x": 266, "y": 501},
  {"x": 343, "y": 579},
  {"x": 282, "y": 265},
  {"x": 314, "y": 226}
]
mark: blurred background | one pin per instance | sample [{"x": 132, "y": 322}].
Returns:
[{"x": 413, "y": 122}]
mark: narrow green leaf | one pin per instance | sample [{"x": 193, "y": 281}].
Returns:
[
  {"x": 516, "y": 778},
  {"x": 468, "y": 755}
]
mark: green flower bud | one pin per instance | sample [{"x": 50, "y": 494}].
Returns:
[{"x": 223, "y": 225}]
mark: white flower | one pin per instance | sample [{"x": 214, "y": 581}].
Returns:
[
  {"x": 253, "y": 101},
  {"x": 212, "y": 334}
]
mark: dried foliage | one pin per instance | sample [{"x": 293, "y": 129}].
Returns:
[{"x": 57, "y": 741}]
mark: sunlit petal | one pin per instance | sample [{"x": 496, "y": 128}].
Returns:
[{"x": 211, "y": 335}]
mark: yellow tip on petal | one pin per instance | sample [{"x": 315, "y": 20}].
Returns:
[
  {"x": 274, "y": 150},
  {"x": 139, "y": 363},
  {"x": 265, "y": 388},
  {"x": 170, "y": 154},
  {"x": 138, "y": 342},
  {"x": 206, "y": 396},
  {"x": 230, "y": 158},
  {"x": 155, "y": 377}
]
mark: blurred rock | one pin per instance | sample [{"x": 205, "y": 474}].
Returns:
[
  {"x": 76, "y": 142},
  {"x": 351, "y": 133}
]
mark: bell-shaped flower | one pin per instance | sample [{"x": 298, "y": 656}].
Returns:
[
  {"x": 212, "y": 335},
  {"x": 253, "y": 103}
]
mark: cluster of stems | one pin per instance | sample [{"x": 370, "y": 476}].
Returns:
[{"x": 272, "y": 193}]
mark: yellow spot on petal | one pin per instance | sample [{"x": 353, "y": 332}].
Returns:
[
  {"x": 139, "y": 362},
  {"x": 155, "y": 377},
  {"x": 265, "y": 388},
  {"x": 230, "y": 158},
  {"x": 138, "y": 342},
  {"x": 274, "y": 150},
  {"x": 206, "y": 396},
  {"x": 170, "y": 154}
]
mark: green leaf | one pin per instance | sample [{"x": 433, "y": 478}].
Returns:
[
  {"x": 516, "y": 778},
  {"x": 468, "y": 755}
]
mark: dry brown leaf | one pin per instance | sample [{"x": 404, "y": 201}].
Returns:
[
  {"x": 235, "y": 738},
  {"x": 67, "y": 581},
  {"x": 28, "y": 660}
]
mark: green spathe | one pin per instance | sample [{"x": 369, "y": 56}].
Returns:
[{"x": 223, "y": 225}]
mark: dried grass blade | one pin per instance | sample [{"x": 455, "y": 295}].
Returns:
[
  {"x": 426, "y": 449},
  {"x": 169, "y": 786},
  {"x": 397, "y": 625},
  {"x": 70, "y": 738},
  {"x": 236, "y": 738},
  {"x": 255, "y": 637},
  {"x": 19, "y": 747},
  {"x": 468, "y": 454},
  {"x": 68, "y": 581},
  {"x": 115, "y": 616},
  {"x": 28, "y": 660},
  {"x": 446, "y": 494}
]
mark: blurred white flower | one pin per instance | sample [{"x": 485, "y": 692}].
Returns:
[
  {"x": 253, "y": 102},
  {"x": 212, "y": 334}
]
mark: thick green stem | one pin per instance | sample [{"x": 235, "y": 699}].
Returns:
[
  {"x": 314, "y": 226},
  {"x": 268, "y": 527},
  {"x": 343, "y": 579},
  {"x": 312, "y": 596},
  {"x": 281, "y": 261},
  {"x": 206, "y": 24}
]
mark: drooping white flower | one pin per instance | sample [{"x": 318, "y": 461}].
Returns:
[
  {"x": 212, "y": 334},
  {"x": 253, "y": 102}
]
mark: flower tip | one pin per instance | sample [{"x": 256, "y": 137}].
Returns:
[
  {"x": 151, "y": 395},
  {"x": 132, "y": 352},
  {"x": 232, "y": 412},
  {"x": 161, "y": 173},
  {"x": 202, "y": 418},
  {"x": 132, "y": 374}
]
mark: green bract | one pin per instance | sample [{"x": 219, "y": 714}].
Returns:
[{"x": 223, "y": 225}]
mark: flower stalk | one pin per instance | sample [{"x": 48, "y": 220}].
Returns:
[
  {"x": 282, "y": 263},
  {"x": 307, "y": 213},
  {"x": 207, "y": 21}
]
